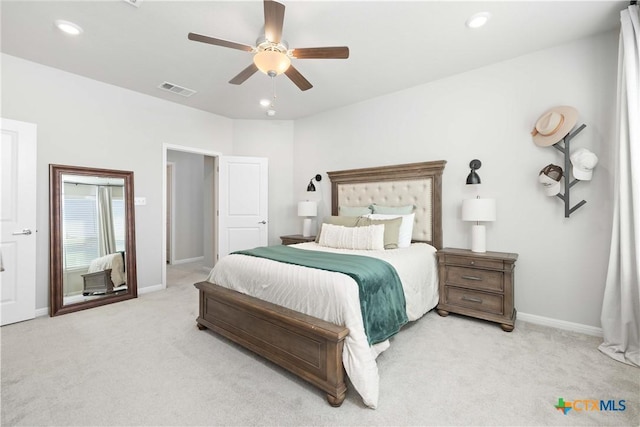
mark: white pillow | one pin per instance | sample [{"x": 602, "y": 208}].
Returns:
[
  {"x": 406, "y": 228},
  {"x": 370, "y": 237}
]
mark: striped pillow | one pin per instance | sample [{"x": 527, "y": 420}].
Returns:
[{"x": 370, "y": 237}]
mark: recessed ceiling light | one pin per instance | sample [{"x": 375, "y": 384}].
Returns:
[
  {"x": 271, "y": 112},
  {"x": 478, "y": 20},
  {"x": 265, "y": 102},
  {"x": 68, "y": 27}
]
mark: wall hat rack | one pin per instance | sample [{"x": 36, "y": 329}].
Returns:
[{"x": 555, "y": 128}]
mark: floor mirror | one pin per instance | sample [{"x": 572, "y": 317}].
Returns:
[{"x": 92, "y": 254}]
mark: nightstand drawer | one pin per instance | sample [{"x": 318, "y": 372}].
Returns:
[
  {"x": 473, "y": 262},
  {"x": 476, "y": 279},
  {"x": 480, "y": 301}
]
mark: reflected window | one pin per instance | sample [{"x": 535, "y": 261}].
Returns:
[
  {"x": 87, "y": 227},
  {"x": 80, "y": 230}
]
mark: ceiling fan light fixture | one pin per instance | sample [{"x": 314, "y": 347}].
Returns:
[
  {"x": 271, "y": 60},
  {"x": 265, "y": 102}
]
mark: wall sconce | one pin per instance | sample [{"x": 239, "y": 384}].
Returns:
[
  {"x": 473, "y": 177},
  {"x": 312, "y": 187}
]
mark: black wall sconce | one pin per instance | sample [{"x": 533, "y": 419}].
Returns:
[
  {"x": 473, "y": 177},
  {"x": 312, "y": 187}
]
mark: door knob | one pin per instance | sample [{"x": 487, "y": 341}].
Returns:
[
  {"x": 262, "y": 222},
  {"x": 24, "y": 231}
]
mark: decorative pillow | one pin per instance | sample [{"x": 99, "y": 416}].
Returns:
[
  {"x": 392, "y": 210},
  {"x": 406, "y": 228},
  {"x": 353, "y": 210},
  {"x": 337, "y": 236},
  {"x": 346, "y": 221},
  {"x": 391, "y": 229}
]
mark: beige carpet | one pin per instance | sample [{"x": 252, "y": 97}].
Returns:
[{"x": 144, "y": 362}]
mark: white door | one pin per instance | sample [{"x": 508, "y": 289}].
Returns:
[
  {"x": 18, "y": 221},
  {"x": 243, "y": 203}
]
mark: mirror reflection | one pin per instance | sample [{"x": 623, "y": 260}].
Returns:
[{"x": 93, "y": 237}]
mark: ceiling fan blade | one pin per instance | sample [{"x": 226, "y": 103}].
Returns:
[
  {"x": 298, "y": 78},
  {"x": 244, "y": 75},
  {"x": 219, "y": 42},
  {"x": 338, "y": 52},
  {"x": 273, "y": 20}
]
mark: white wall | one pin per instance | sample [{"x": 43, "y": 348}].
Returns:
[
  {"x": 488, "y": 114},
  {"x": 83, "y": 122},
  {"x": 272, "y": 139},
  {"x": 485, "y": 114},
  {"x": 209, "y": 217},
  {"x": 188, "y": 172}
]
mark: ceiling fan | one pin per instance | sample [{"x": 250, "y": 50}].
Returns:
[{"x": 272, "y": 56}]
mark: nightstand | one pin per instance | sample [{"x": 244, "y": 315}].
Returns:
[
  {"x": 477, "y": 284},
  {"x": 296, "y": 238}
]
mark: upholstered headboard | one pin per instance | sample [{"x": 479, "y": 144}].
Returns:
[{"x": 419, "y": 184}]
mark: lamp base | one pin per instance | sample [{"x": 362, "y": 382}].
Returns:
[
  {"x": 478, "y": 238},
  {"x": 306, "y": 227}
]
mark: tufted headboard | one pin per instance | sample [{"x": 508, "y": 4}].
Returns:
[{"x": 419, "y": 184}]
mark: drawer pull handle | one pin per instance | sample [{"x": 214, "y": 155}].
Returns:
[
  {"x": 472, "y": 263},
  {"x": 472, "y": 278},
  {"x": 470, "y": 299}
]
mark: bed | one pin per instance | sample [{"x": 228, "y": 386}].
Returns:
[{"x": 308, "y": 338}]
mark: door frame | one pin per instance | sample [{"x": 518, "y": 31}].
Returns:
[
  {"x": 171, "y": 210},
  {"x": 165, "y": 148}
]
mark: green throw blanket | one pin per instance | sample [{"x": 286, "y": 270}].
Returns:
[{"x": 381, "y": 295}]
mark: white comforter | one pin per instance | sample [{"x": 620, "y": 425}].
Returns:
[{"x": 334, "y": 297}]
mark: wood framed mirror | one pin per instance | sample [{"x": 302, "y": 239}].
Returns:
[{"x": 92, "y": 253}]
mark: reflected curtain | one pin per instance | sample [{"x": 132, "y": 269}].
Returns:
[
  {"x": 106, "y": 233},
  {"x": 621, "y": 306}
]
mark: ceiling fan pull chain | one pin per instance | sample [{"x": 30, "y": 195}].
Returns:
[{"x": 273, "y": 81}]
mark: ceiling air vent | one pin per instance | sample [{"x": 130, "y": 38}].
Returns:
[{"x": 170, "y": 87}]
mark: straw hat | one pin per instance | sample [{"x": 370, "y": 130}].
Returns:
[{"x": 554, "y": 125}]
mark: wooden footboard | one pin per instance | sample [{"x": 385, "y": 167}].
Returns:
[{"x": 310, "y": 348}]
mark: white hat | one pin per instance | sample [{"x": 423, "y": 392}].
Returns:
[
  {"x": 554, "y": 125},
  {"x": 550, "y": 178},
  {"x": 583, "y": 162}
]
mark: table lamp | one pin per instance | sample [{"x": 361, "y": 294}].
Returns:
[
  {"x": 307, "y": 209},
  {"x": 478, "y": 210}
]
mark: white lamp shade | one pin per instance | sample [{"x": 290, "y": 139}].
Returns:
[
  {"x": 307, "y": 208},
  {"x": 479, "y": 210},
  {"x": 268, "y": 60}
]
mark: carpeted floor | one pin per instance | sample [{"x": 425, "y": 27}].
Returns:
[{"x": 144, "y": 362}]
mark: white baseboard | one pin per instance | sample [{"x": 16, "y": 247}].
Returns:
[
  {"x": 41, "y": 312},
  {"x": 152, "y": 288},
  {"x": 188, "y": 260},
  {"x": 560, "y": 324}
]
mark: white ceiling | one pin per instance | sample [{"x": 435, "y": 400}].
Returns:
[{"x": 393, "y": 45}]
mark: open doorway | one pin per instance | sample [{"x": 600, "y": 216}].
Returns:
[{"x": 189, "y": 206}]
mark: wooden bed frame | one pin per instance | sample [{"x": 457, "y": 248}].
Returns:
[{"x": 309, "y": 347}]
